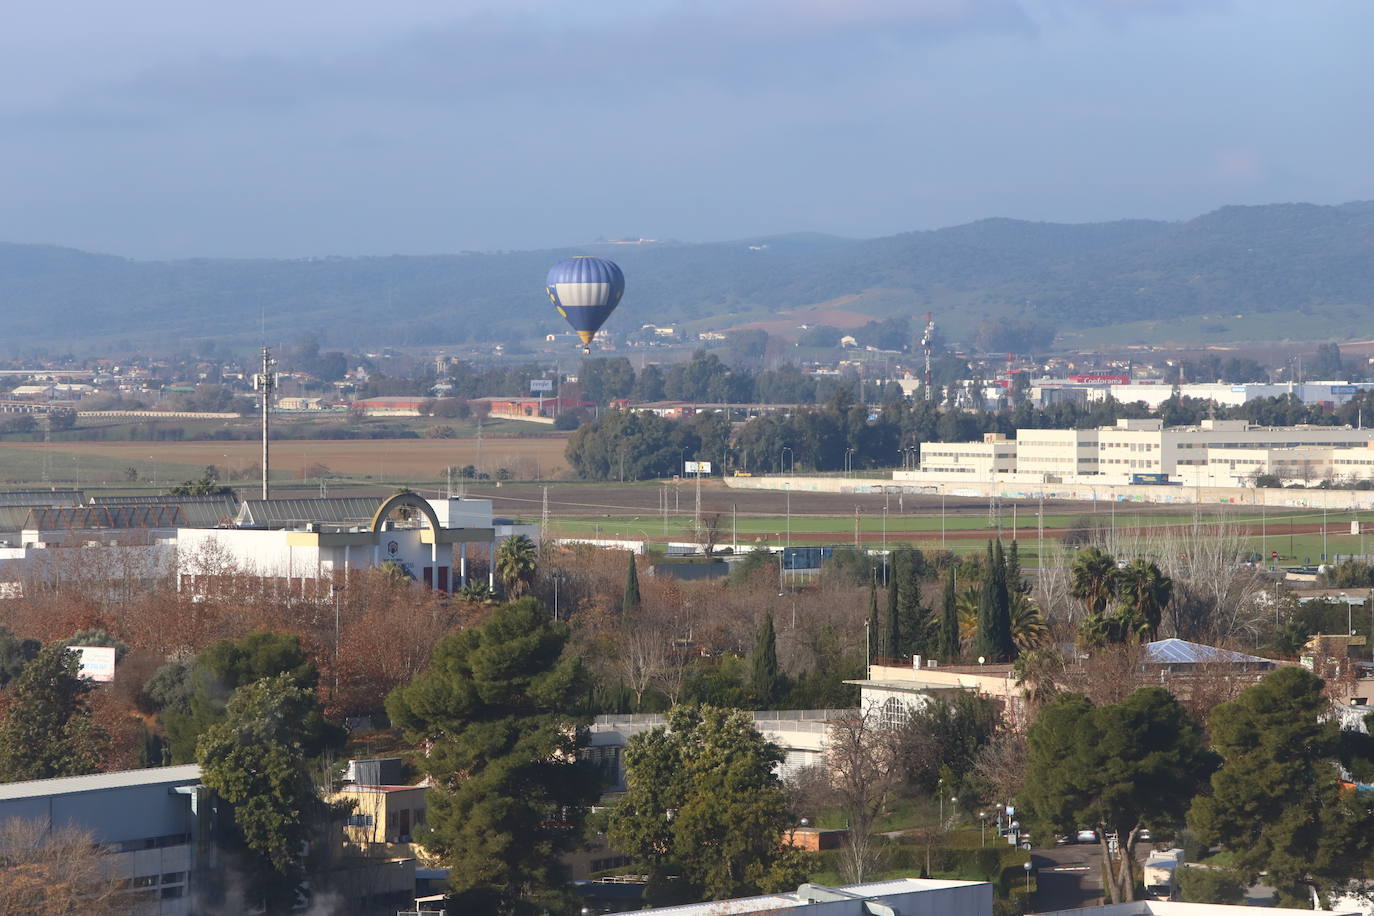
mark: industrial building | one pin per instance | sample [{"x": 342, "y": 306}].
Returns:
[
  {"x": 302, "y": 545},
  {"x": 151, "y": 824},
  {"x": 1213, "y": 453},
  {"x": 1094, "y": 389},
  {"x": 307, "y": 544}
]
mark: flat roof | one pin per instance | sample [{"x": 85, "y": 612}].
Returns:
[
  {"x": 789, "y": 900},
  {"x": 96, "y": 782}
]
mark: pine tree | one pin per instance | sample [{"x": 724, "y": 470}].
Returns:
[
  {"x": 48, "y": 731},
  {"x": 766, "y": 678},
  {"x": 949, "y": 622},
  {"x": 894, "y": 625},
  {"x": 498, "y": 708},
  {"x": 631, "y": 601}
]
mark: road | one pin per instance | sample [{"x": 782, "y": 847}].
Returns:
[{"x": 1067, "y": 877}]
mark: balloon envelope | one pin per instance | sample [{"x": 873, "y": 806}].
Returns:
[{"x": 585, "y": 290}]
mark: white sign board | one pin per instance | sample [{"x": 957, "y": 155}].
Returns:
[
  {"x": 97, "y": 662},
  {"x": 540, "y": 384},
  {"x": 698, "y": 467}
]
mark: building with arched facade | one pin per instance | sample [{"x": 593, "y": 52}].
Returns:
[{"x": 306, "y": 545}]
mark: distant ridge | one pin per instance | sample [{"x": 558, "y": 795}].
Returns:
[{"x": 1244, "y": 259}]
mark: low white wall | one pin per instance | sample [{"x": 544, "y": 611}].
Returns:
[{"x": 1104, "y": 492}]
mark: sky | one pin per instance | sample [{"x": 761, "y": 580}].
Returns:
[{"x": 181, "y": 128}]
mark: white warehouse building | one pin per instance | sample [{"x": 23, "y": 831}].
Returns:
[
  {"x": 306, "y": 544},
  {"x": 1215, "y": 452}
]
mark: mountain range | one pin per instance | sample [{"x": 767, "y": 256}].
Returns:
[{"x": 1273, "y": 260}]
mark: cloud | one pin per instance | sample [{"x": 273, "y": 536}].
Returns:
[{"x": 494, "y": 52}]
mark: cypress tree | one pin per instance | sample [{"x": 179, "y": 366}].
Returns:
[
  {"x": 985, "y": 639},
  {"x": 949, "y": 622},
  {"x": 872, "y": 621},
  {"x": 919, "y": 630},
  {"x": 894, "y": 626},
  {"x": 998, "y": 646},
  {"x": 765, "y": 679},
  {"x": 630, "y": 603}
]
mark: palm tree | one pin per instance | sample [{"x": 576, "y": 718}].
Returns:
[
  {"x": 1038, "y": 672},
  {"x": 476, "y": 591},
  {"x": 967, "y": 604},
  {"x": 1029, "y": 629},
  {"x": 1142, "y": 587},
  {"x": 516, "y": 564},
  {"x": 1094, "y": 577}
]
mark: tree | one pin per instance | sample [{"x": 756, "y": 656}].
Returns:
[
  {"x": 630, "y": 604},
  {"x": 206, "y": 486},
  {"x": 56, "y": 870},
  {"x": 1118, "y": 768},
  {"x": 516, "y": 563},
  {"x": 1094, "y": 577},
  {"x": 223, "y": 668},
  {"x": 703, "y": 800},
  {"x": 48, "y": 730},
  {"x": 893, "y": 630},
  {"x": 994, "y": 640},
  {"x": 871, "y": 634},
  {"x": 1276, "y": 801},
  {"x": 255, "y": 759},
  {"x": 97, "y": 636},
  {"x": 859, "y": 775},
  {"x": 949, "y": 622},
  {"x": 766, "y": 679},
  {"x": 1145, "y": 591},
  {"x": 496, "y": 707},
  {"x": 949, "y": 731},
  {"x": 15, "y": 653}
]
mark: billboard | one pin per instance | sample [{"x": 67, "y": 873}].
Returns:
[
  {"x": 538, "y": 385},
  {"x": 97, "y": 662},
  {"x": 697, "y": 467},
  {"x": 1344, "y": 389}
]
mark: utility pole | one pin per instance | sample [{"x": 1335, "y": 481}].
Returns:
[
  {"x": 266, "y": 382},
  {"x": 697, "y": 517}
]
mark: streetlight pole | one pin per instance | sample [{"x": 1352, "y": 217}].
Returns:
[{"x": 336, "y": 589}]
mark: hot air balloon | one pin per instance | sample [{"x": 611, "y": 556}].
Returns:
[{"x": 585, "y": 290}]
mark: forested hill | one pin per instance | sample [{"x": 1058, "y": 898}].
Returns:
[{"x": 1236, "y": 259}]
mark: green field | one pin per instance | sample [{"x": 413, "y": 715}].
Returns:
[{"x": 1277, "y": 530}]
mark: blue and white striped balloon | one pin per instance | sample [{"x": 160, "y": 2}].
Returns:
[{"x": 585, "y": 290}]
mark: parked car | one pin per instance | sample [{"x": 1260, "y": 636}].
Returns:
[{"x": 1086, "y": 835}]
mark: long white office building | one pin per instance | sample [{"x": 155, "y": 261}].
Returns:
[{"x": 1213, "y": 453}]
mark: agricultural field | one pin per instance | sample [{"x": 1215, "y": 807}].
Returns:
[{"x": 299, "y": 461}]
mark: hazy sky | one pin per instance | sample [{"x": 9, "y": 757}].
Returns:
[{"x": 173, "y": 128}]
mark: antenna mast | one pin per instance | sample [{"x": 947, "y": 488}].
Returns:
[
  {"x": 266, "y": 382},
  {"x": 928, "y": 341}
]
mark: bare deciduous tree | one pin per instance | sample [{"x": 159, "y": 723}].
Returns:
[{"x": 55, "y": 871}]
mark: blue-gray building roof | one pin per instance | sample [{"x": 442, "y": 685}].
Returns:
[
  {"x": 68, "y": 785},
  {"x": 1183, "y": 652}
]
